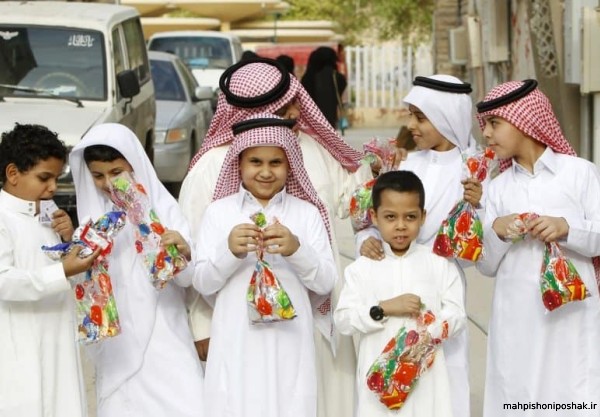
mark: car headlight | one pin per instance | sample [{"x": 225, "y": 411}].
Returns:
[
  {"x": 159, "y": 136},
  {"x": 175, "y": 135}
]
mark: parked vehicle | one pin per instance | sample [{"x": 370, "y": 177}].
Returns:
[
  {"x": 206, "y": 53},
  {"x": 70, "y": 66},
  {"x": 183, "y": 114}
]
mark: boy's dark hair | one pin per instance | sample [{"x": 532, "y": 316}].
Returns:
[
  {"x": 27, "y": 145},
  {"x": 102, "y": 153},
  {"x": 400, "y": 181}
]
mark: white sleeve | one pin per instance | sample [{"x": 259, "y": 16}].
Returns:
[
  {"x": 352, "y": 312},
  {"x": 584, "y": 231},
  {"x": 313, "y": 262},
  {"x": 195, "y": 195},
  {"x": 362, "y": 235},
  {"x": 215, "y": 263},
  {"x": 27, "y": 285},
  {"x": 494, "y": 248},
  {"x": 452, "y": 318}
]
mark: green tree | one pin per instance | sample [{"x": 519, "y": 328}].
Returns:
[{"x": 385, "y": 19}]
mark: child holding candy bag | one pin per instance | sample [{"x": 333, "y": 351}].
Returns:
[
  {"x": 441, "y": 124},
  {"x": 538, "y": 354},
  {"x": 40, "y": 374},
  {"x": 262, "y": 356},
  {"x": 151, "y": 368},
  {"x": 411, "y": 301}
]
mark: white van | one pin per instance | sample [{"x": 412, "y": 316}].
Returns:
[
  {"x": 206, "y": 53},
  {"x": 70, "y": 66}
]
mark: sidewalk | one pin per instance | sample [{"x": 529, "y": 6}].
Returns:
[{"x": 479, "y": 288}]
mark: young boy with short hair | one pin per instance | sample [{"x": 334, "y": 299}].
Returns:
[
  {"x": 151, "y": 368},
  {"x": 535, "y": 355},
  {"x": 40, "y": 373},
  {"x": 264, "y": 369},
  {"x": 381, "y": 296}
]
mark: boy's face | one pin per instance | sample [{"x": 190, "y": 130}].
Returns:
[
  {"x": 39, "y": 183},
  {"x": 264, "y": 171},
  {"x": 503, "y": 137},
  {"x": 103, "y": 172},
  {"x": 424, "y": 133},
  {"x": 399, "y": 219}
]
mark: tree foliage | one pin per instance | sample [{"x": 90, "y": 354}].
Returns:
[{"x": 385, "y": 19}]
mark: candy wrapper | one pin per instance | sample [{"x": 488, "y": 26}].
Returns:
[
  {"x": 267, "y": 300},
  {"x": 395, "y": 373},
  {"x": 519, "y": 229},
  {"x": 162, "y": 263},
  {"x": 97, "y": 315},
  {"x": 560, "y": 282},
  {"x": 461, "y": 233},
  {"x": 360, "y": 201}
]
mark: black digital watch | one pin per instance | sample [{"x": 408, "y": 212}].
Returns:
[{"x": 376, "y": 313}]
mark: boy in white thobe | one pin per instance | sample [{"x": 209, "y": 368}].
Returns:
[
  {"x": 151, "y": 368},
  {"x": 381, "y": 296},
  {"x": 441, "y": 124},
  {"x": 40, "y": 374},
  {"x": 537, "y": 356},
  {"x": 266, "y": 369},
  {"x": 334, "y": 170}
]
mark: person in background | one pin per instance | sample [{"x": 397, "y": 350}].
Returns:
[
  {"x": 324, "y": 83},
  {"x": 287, "y": 61}
]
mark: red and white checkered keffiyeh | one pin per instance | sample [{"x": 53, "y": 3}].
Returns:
[
  {"x": 531, "y": 114},
  {"x": 257, "y": 78},
  {"x": 298, "y": 184}
]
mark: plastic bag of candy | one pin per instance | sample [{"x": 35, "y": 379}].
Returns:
[
  {"x": 162, "y": 263},
  {"x": 519, "y": 228},
  {"x": 461, "y": 234},
  {"x": 560, "y": 283},
  {"x": 396, "y": 371},
  {"x": 97, "y": 314},
  {"x": 360, "y": 202},
  {"x": 267, "y": 300}
]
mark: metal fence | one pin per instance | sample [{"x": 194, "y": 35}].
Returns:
[{"x": 380, "y": 75}]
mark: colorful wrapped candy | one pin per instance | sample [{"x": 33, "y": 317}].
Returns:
[
  {"x": 97, "y": 314},
  {"x": 461, "y": 233},
  {"x": 395, "y": 373},
  {"x": 560, "y": 283},
  {"x": 519, "y": 228},
  {"x": 267, "y": 300},
  {"x": 163, "y": 263},
  {"x": 360, "y": 201}
]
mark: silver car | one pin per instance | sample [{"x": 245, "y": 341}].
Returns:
[{"x": 183, "y": 114}]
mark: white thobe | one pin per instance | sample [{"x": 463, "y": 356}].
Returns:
[
  {"x": 40, "y": 373},
  {"x": 334, "y": 186},
  {"x": 535, "y": 355},
  {"x": 367, "y": 282},
  {"x": 441, "y": 174},
  {"x": 262, "y": 370}
]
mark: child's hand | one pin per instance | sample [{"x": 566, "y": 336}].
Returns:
[
  {"x": 279, "y": 239},
  {"x": 548, "y": 229},
  {"x": 243, "y": 238},
  {"x": 402, "y": 305},
  {"x": 73, "y": 264},
  {"x": 372, "y": 248},
  {"x": 503, "y": 225},
  {"x": 62, "y": 224},
  {"x": 473, "y": 191},
  {"x": 172, "y": 237},
  {"x": 401, "y": 155}
]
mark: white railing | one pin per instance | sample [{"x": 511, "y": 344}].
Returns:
[{"x": 379, "y": 76}]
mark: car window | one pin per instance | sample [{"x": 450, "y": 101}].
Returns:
[
  {"x": 62, "y": 61},
  {"x": 167, "y": 84},
  {"x": 118, "y": 56},
  {"x": 136, "y": 49},
  {"x": 196, "y": 51},
  {"x": 187, "y": 76}
]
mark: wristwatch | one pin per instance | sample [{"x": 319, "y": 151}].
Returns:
[{"x": 376, "y": 313}]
